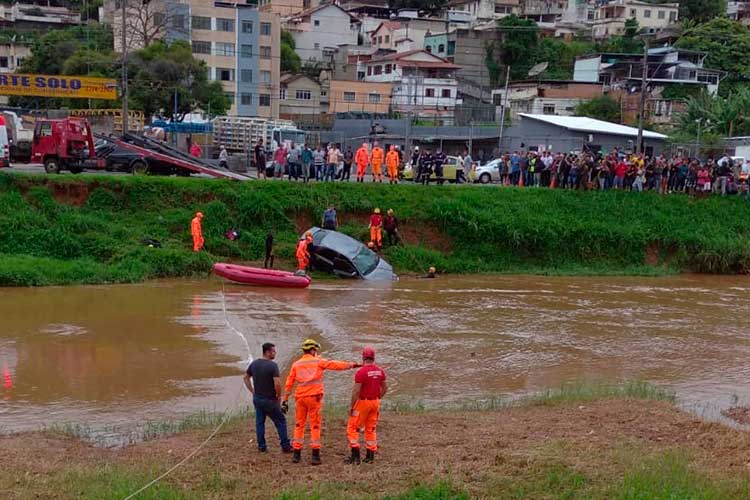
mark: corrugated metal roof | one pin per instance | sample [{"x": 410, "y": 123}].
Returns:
[{"x": 585, "y": 124}]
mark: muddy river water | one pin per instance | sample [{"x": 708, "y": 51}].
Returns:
[{"x": 109, "y": 356}]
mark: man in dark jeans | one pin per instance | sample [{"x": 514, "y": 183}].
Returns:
[{"x": 266, "y": 390}]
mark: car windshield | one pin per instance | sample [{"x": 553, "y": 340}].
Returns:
[{"x": 366, "y": 260}]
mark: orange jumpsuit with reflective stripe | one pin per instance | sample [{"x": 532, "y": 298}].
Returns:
[
  {"x": 197, "y": 232},
  {"x": 378, "y": 155},
  {"x": 361, "y": 158},
  {"x": 391, "y": 165},
  {"x": 307, "y": 372},
  {"x": 303, "y": 255},
  {"x": 366, "y": 414}
]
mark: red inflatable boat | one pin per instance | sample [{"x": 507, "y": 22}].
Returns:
[{"x": 258, "y": 276}]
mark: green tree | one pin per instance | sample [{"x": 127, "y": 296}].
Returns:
[
  {"x": 561, "y": 56},
  {"x": 518, "y": 50},
  {"x": 722, "y": 116},
  {"x": 726, "y": 43},
  {"x": 602, "y": 108},
  {"x": 290, "y": 60},
  {"x": 627, "y": 43},
  {"x": 702, "y": 11}
]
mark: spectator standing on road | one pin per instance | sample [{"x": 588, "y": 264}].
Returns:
[
  {"x": 195, "y": 150},
  {"x": 438, "y": 160},
  {"x": 334, "y": 155},
  {"x": 307, "y": 163},
  {"x": 319, "y": 161},
  {"x": 259, "y": 152},
  {"x": 279, "y": 161},
  {"x": 346, "y": 174},
  {"x": 223, "y": 157},
  {"x": 294, "y": 160},
  {"x": 263, "y": 380}
]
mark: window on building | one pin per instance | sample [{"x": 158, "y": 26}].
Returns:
[
  {"x": 378, "y": 70},
  {"x": 265, "y": 52},
  {"x": 441, "y": 48},
  {"x": 317, "y": 22},
  {"x": 246, "y": 75},
  {"x": 230, "y": 96},
  {"x": 548, "y": 109},
  {"x": 225, "y": 49},
  {"x": 632, "y": 12},
  {"x": 387, "y": 38},
  {"x": 303, "y": 95},
  {"x": 158, "y": 19},
  {"x": 429, "y": 92},
  {"x": 247, "y": 27},
  {"x": 223, "y": 24},
  {"x": 265, "y": 29},
  {"x": 661, "y": 14},
  {"x": 19, "y": 61},
  {"x": 428, "y": 49},
  {"x": 282, "y": 93},
  {"x": 178, "y": 22},
  {"x": 446, "y": 93},
  {"x": 369, "y": 71},
  {"x": 306, "y": 4},
  {"x": 225, "y": 74},
  {"x": 246, "y": 99},
  {"x": 200, "y": 23},
  {"x": 246, "y": 50},
  {"x": 316, "y": 46},
  {"x": 451, "y": 48},
  {"x": 201, "y": 47},
  {"x": 265, "y": 76},
  {"x": 264, "y": 100},
  {"x": 672, "y": 17},
  {"x": 3, "y": 62},
  {"x": 373, "y": 98},
  {"x": 323, "y": 93},
  {"x": 388, "y": 69},
  {"x": 350, "y": 96},
  {"x": 647, "y": 13}
]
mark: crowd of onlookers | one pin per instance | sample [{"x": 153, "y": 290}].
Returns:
[{"x": 583, "y": 171}]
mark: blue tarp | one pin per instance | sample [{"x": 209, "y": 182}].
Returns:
[{"x": 184, "y": 127}]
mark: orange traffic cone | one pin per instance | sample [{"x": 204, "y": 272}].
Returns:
[
  {"x": 553, "y": 183},
  {"x": 520, "y": 180}
]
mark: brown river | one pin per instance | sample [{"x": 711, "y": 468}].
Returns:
[{"x": 113, "y": 356}]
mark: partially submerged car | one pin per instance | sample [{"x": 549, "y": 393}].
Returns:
[{"x": 346, "y": 257}]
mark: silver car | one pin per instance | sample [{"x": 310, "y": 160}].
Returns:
[
  {"x": 346, "y": 257},
  {"x": 489, "y": 172}
]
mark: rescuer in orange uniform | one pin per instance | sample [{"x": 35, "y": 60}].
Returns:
[
  {"x": 362, "y": 158},
  {"x": 369, "y": 388},
  {"x": 376, "y": 228},
  {"x": 307, "y": 372},
  {"x": 391, "y": 164},
  {"x": 197, "y": 231},
  {"x": 376, "y": 160},
  {"x": 303, "y": 252}
]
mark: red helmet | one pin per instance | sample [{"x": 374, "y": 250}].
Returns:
[{"x": 368, "y": 353}]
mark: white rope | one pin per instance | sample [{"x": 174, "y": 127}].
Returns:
[{"x": 218, "y": 427}]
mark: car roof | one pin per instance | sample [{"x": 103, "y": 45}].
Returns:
[{"x": 338, "y": 242}]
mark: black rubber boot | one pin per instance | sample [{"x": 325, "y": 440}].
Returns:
[
  {"x": 354, "y": 459},
  {"x": 369, "y": 457},
  {"x": 316, "y": 457},
  {"x": 297, "y": 456}
]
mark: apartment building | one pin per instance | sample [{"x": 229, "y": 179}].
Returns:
[
  {"x": 300, "y": 95},
  {"x": 541, "y": 97},
  {"x": 239, "y": 43},
  {"x": 610, "y": 17},
  {"x": 739, "y": 11},
  {"x": 29, "y": 16},
  {"x": 286, "y": 8},
  {"x": 12, "y": 55},
  {"x": 484, "y": 10},
  {"x": 318, "y": 31}
]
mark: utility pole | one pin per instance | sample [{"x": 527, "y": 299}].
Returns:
[
  {"x": 642, "y": 104},
  {"x": 502, "y": 113},
  {"x": 124, "y": 84}
]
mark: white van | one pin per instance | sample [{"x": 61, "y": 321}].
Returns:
[{"x": 5, "y": 145}]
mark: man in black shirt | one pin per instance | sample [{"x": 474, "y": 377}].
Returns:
[
  {"x": 260, "y": 158},
  {"x": 263, "y": 381},
  {"x": 268, "y": 263}
]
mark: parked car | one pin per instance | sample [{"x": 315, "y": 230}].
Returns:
[
  {"x": 489, "y": 172},
  {"x": 450, "y": 171},
  {"x": 346, "y": 257}
]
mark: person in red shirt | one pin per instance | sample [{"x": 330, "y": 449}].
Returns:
[
  {"x": 376, "y": 228},
  {"x": 620, "y": 171},
  {"x": 369, "y": 388}
]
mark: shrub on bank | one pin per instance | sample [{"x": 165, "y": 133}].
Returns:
[{"x": 87, "y": 229}]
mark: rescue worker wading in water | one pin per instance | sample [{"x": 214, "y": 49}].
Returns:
[
  {"x": 197, "y": 232},
  {"x": 307, "y": 373},
  {"x": 303, "y": 252}
]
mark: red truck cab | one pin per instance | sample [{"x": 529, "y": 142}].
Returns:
[{"x": 62, "y": 144}]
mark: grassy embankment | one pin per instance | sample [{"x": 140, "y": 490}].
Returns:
[
  {"x": 86, "y": 229},
  {"x": 579, "y": 442}
]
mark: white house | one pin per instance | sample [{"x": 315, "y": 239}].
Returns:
[
  {"x": 424, "y": 84},
  {"x": 318, "y": 31}
]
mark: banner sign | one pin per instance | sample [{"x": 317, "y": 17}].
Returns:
[{"x": 58, "y": 86}]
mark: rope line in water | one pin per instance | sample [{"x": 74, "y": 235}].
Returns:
[{"x": 218, "y": 427}]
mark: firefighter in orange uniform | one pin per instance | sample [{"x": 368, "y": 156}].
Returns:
[
  {"x": 303, "y": 251},
  {"x": 376, "y": 160},
  {"x": 391, "y": 165},
  {"x": 307, "y": 372},
  {"x": 369, "y": 388},
  {"x": 362, "y": 158},
  {"x": 197, "y": 231},
  {"x": 376, "y": 228}
]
